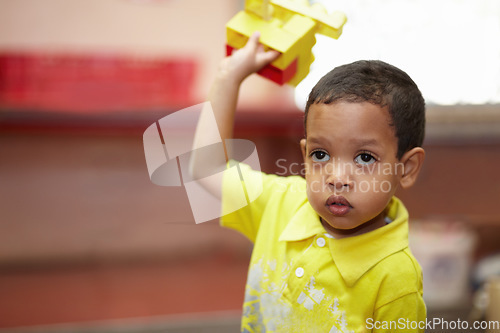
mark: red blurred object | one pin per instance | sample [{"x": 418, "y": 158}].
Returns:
[{"x": 93, "y": 82}]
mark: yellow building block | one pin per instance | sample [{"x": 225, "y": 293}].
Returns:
[
  {"x": 282, "y": 38},
  {"x": 302, "y": 48},
  {"x": 260, "y": 8},
  {"x": 328, "y": 24},
  {"x": 287, "y": 26},
  {"x": 302, "y": 69}
]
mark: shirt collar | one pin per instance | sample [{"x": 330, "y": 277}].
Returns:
[
  {"x": 305, "y": 223},
  {"x": 354, "y": 256}
]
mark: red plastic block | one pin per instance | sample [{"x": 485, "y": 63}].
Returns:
[{"x": 280, "y": 76}]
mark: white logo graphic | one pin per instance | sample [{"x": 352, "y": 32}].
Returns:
[{"x": 172, "y": 149}]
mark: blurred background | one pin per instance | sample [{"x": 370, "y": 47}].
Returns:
[{"x": 89, "y": 244}]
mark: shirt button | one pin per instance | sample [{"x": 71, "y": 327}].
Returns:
[
  {"x": 321, "y": 242},
  {"x": 299, "y": 272}
]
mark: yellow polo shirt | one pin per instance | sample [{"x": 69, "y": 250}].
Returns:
[{"x": 301, "y": 279}]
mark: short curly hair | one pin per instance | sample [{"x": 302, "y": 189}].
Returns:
[{"x": 381, "y": 84}]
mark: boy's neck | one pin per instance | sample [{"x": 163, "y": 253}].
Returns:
[{"x": 375, "y": 223}]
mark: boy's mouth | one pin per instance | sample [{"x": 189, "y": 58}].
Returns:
[{"x": 338, "y": 205}]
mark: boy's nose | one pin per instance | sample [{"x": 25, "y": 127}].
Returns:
[
  {"x": 340, "y": 178},
  {"x": 339, "y": 183}
]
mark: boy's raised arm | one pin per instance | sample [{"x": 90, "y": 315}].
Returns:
[
  {"x": 223, "y": 97},
  {"x": 232, "y": 71}
]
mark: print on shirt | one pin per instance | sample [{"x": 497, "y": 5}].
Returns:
[{"x": 266, "y": 310}]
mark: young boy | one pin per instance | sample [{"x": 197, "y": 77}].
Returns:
[{"x": 331, "y": 251}]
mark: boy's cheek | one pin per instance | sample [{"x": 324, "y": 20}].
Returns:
[
  {"x": 315, "y": 185},
  {"x": 376, "y": 184},
  {"x": 311, "y": 169}
]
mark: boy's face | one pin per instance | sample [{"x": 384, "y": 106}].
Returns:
[{"x": 352, "y": 170}]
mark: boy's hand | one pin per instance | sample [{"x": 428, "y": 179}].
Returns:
[{"x": 247, "y": 60}]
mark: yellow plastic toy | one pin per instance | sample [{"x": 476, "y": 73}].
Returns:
[{"x": 287, "y": 26}]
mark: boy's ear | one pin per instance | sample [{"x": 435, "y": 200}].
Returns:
[
  {"x": 303, "y": 148},
  {"x": 412, "y": 163}
]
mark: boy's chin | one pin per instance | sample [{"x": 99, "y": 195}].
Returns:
[{"x": 335, "y": 225}]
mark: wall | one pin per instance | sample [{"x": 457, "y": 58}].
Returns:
[{"x": 153, "y": 29}]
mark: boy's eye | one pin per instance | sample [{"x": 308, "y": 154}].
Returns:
[
  {"x": 320, "y": 156},
  {"x": 364, "y": 159}
]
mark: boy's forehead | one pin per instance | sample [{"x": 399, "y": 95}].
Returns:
[
  {"x": 355, "y": 118},
  {"x": 325, "y": 112}
]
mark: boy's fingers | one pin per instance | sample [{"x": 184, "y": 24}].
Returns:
[
  {"x": 268, "y": 56},
  {"x": 273, "y": 55},
  {"x": 253, "y": 41},
  {"x": 255, "y": 36}
]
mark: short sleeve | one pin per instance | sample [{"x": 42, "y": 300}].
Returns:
[
  {"x": 405, "y": 314},
  {"x": 258, "y": 188}
]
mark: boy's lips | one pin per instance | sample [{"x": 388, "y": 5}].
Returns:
[{"x": 338, "y": 205}]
